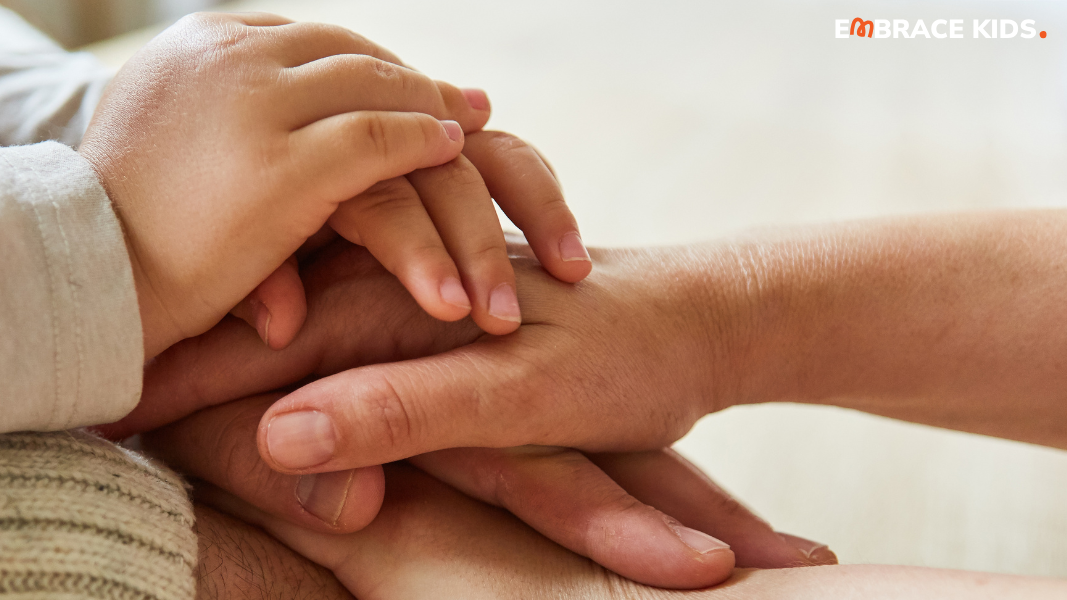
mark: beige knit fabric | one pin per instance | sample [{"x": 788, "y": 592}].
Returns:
[{"x": 83, "y": 518}]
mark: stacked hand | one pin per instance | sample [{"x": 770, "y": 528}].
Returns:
[
  {"x": 638, "y": 525},
  {"x": 237, "y": 148},
  {"x": 231, "y": 140}
]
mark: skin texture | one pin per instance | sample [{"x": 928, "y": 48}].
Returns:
[
  {"x": 949, "y": 320},
  {"x": 422, "y": 546},
  {"x": 298, "y": 125},
  {"x": 610, "y": 508},
  {"x": 237, "y": 561},
  {"x": 869, "y": 315}
]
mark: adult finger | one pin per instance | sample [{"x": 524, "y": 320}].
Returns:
[
  {"x": 342, "y": 156},
  {"x": 667, "y": 481},
  {"x": 277, "y": 307},
  {"x": 355, "y": 82},
  {"x": 218, "y": 446},
  {"x": 237, "y": 560},
  {"x": 430, "y": 541},
  {"x": 390, "y": 220},
  {"x": 569, "y": 500},
  {"x": 457, "y": 200},
  {"x": 489, "y": 394},
  {"x": 529, "y": 194},
  {"x": 359, "y": 314}
]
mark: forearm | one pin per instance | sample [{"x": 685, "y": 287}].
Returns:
[
  {"x": 957, "y": 321},
  {"x": 874, "y": 582}
]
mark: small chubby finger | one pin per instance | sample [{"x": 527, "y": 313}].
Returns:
[
  {"x": 390, "y": 221},
  {"x": 218, "y": 445},
  {"x": 342, "y": 156},
  {"x": 277, "y": 307},
  {"x": 300, "y": 43},
  {"x": 250, "y": 18},
  {"x": 569, "y": 500},
  {"x": 344, "y": 83},
  {"x": 456, "y": 199},
  {"x": 529, "y": 194}
]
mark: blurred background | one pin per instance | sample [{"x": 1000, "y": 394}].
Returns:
[
  {"x": 679, "y": 121},
  {"x": 75, "y": 23}
]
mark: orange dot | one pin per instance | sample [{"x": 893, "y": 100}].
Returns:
[{"x": 1043, "y": 34}]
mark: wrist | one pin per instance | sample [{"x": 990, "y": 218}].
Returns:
[
  {"x": 157, "y": 327},
  {"x": 743, "y": 306}
]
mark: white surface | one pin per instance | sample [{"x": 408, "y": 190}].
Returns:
[{"x": 678, "y": 121}]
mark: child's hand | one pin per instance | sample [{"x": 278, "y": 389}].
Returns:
[
  {"x": 438, "y": 232},
  {"x": 416, "y": 226},
  {"x": 231, "y": 139}
]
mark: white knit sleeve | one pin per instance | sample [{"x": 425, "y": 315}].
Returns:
[{"x": 71, "y": 348}]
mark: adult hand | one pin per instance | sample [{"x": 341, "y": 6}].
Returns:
[
  {"x": 578, "y": 372},
  {"x": 648, "y": 516},
  {"x": 866, "y": 316},
  {"x": 237, "y": 560},
  {"x": 431, "y": 541},
  {"x": 620, "y": 362}
]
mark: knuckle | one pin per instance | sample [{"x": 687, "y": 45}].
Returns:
[
  {"x": 386, "y": 198},
  {"x": 373, "y": 128},
  {"x": 503, "y": 142},
  {"x": 488, "y": 250},
  {"x": 393, "y": 424},
  {"x": 238, "y": 467}
]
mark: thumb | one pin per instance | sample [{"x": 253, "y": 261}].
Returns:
[
  {"x": 277, "y": 307},
  {"x": 381, "y": 413}
]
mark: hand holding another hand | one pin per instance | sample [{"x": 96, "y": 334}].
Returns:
[{"x": 230, "y": 140}]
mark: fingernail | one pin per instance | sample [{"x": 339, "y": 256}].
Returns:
[
  {"x": 504, "y": 305},
  {"x": 697, "y": 540},
  {"x": 814, "y": 551},
  {"x": 476, "y": 98},
  {"x": 572, "y": 248},
  {"x": 262, "y": 321},
  {"x": 324, "y": 494},
  {"x": 453, "y": 293},
  {"x": 299, "y": 440},
  {"x": 454, "y": 131}
]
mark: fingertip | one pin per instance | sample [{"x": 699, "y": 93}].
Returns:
[
  {"x": 477, "y": 99},
  {"x": 452, "y": 293},
  {"x": 503, "y": 315},
  {"x": 343, "y": 501},
  {"x": 815, "y": 553},
  {"x": 572, "y": 249},
  {"x": 469, "y": 106},
  {"x": 453, "y": 130},
  {"x": 442, "y": 298},
  {"x": 570, "y": 272}
]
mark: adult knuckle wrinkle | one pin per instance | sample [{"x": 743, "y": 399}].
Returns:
[
  {"x": 503, "y": 142},
  {"x": 395, "y": 425}
]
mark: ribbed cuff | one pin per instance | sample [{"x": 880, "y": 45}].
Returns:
[
  {"x": 74, "y": 351},
  {"x": 83, "y": 518}
]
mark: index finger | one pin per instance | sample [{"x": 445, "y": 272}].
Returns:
[{"x": 295, "y": 44}]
